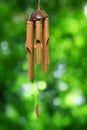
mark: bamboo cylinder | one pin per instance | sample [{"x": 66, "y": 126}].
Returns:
[
  {"x": 46, "y": 30},
  {"x": 45, "y": 39},
  {"x": 38, "y": 46},
  {"x": 48, "y": 59},
  {"x": 30, "y": 48}
]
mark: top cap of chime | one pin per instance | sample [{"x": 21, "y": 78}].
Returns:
[{"x": 37, "y": 15}]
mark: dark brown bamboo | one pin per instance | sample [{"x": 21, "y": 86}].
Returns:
[{"x": 30, "y": 48}]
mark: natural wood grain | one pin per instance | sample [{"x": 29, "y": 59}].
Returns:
[
  {"x": 38, "y": 46},
  {"x": 30, "y": 48},
  {"x": 45, "y": 39}
]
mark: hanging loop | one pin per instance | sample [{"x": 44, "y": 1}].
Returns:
[{"x": 38, "y": 4}]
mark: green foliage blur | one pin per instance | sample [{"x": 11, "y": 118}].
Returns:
[{"x": 63, "y": 89}]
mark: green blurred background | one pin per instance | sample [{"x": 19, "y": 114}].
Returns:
[{"x": 63, "y": 89}]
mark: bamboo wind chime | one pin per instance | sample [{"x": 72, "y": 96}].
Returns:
[{"x": 38, "y": 20}]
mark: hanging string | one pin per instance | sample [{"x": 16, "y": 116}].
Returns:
[
  {"x": 38, "y": 4},
  {"x": 37, "y": 105}
]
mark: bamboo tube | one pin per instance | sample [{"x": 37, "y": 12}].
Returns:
[
  {"x": 38, "y": 47},
  {"x": 45, "y": 39},
  {"x": 48, "y": 59},
  {"x": 30, "y": 48}
]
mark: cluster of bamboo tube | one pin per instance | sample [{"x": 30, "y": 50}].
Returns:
[{"x": 42, "y": 38}]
